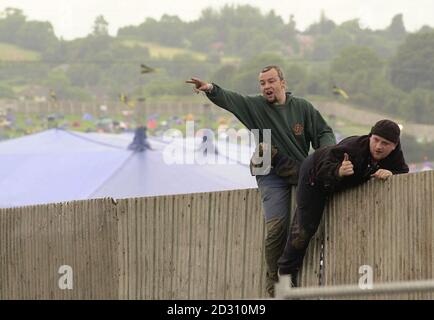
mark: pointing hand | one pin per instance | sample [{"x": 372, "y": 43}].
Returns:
[{"x": 199, "y": 85}]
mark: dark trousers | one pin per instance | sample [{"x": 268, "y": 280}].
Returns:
[{"x": 310, "y": 207}]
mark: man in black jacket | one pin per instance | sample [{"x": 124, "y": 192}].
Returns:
[{"x": 330, "y": 169}]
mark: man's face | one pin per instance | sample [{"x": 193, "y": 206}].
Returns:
[
  {"x": 380, "y": 148},
  {"x": 272, "y": 88}
]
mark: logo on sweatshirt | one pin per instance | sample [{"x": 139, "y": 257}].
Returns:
[{"x": 298, "y": 129}]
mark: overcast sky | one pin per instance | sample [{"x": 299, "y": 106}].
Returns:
[{"x": 74, "y": 18}]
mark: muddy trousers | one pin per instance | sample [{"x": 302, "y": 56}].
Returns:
[
  {"x": 275, "y": 194},
  {"x": 310, "y": 207}
]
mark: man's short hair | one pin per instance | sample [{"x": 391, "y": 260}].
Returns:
[{"x": 277, "y": 68}]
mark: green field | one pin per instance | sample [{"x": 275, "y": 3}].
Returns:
[
  {"x": 159, "y": 51},
  {"x": 9, "y": 52}
]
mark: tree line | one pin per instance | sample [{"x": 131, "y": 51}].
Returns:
[{"x": 390, "y": 70}]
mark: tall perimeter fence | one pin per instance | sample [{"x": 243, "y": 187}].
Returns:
[
  {"x": 210, "y": 245},
  {"x": 112, "y": 108},
  {"x": 149, "y": 107}
]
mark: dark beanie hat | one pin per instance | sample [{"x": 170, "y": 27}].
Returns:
[{"x": 387, "y": 129}]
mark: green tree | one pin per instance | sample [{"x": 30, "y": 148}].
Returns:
[
  {"x": 323, "y": 27},
  {"x": 326, "y": 46},
  {"x": 100, "y": 26},
  {"x": 296, "y": 76},
  {"x": 356, "y": 58},
  {"x": 36, "y": 35},
  {"x": 418, "y": 105},
  {"x": 396, "y": 30},
  {"x": 413, "y": 65},
  {"x": 202, "y": 38},
  {"x": 315, "y": 83},
  {"x": 13, "y": 21},
  {"x": 357, "y": 70},
  {"x": 224, "y": 75},
  {"x": 426, "y": 29},
  {"x": 246, "y": 79}
]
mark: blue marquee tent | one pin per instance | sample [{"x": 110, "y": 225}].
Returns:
[{"x": 58, "y": 165}]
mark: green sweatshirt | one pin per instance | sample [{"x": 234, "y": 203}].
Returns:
[{"x": 294, "y": 125}]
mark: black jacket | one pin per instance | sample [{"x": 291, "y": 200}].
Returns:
[{"x": 328, "y": 160}]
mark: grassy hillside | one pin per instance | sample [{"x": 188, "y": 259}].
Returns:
[
  {"x": 159, "y": 51},
  {"x": 9, "y": 52}
]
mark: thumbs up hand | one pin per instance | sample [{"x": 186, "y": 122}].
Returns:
[{"x": 346, "y": 168}]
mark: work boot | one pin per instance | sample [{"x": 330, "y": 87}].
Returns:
[
  {"x": 285, "y": 283},
  {"x": 293, "y": 278}
]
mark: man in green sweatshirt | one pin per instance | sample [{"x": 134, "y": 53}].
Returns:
[{"x": 295, "y": 125}]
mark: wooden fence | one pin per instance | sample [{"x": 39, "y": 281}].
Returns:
[
  {"x": 387, "y": 226},
  {"x": 210, "y": 245}
]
